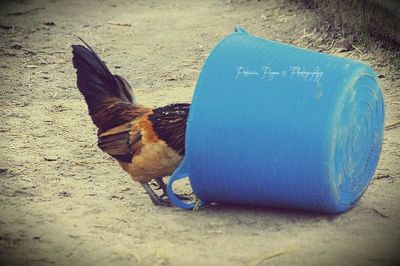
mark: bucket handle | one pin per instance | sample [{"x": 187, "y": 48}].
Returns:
[
  {"x": 180, "y": 172},
  {"x": 240, "y": 30}
]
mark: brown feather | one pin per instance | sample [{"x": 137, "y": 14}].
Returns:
[
  {"x": 147, "y": 127},
  {"x": 121, "y": 142},
  {"x": 169, "y": 124},
  {"x": 113, "y": 112}
]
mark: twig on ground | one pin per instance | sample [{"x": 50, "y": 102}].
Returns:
[
  {"x": 6, "y": 27},
  {"x": 92, "y": 162},
  {"x": 279, "y": 252},
  {"x": 392, "y": 125},
  {"x": 119, "y": 24},
  {"x": 305, "y": 35},
  {"x": 19, "y": 13},
  {"x": 357, "y": 49},
  {"x": 379, "y": 213},
  {"x": 382, "y": 176}
]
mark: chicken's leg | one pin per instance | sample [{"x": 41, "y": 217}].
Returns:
[
  {"x": 161, "y": 185},
  {"x": 153, "y": 196}
]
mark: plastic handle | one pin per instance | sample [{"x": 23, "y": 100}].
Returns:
[
  {"x": 179, "y": 173},
  {"x": 239, "y": 29}
]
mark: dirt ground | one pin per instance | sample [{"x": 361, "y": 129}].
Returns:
[{"x": 64, "y": 202}]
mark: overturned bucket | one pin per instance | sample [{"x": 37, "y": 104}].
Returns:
[{"x": 275, "y": 125}]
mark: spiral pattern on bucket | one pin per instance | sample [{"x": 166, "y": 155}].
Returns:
[{"x": 359, "y": 140}]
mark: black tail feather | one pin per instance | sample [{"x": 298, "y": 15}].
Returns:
[{"x": 94, "y": 79}]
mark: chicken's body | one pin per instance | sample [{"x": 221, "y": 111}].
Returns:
[
  {"x": 147, "y": 143},
  {"x": 141, "y": 150}
]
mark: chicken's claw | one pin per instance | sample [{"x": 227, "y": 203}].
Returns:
[
  {"x": 161, "y": 200},
  {"x": 154, "y": 198}
]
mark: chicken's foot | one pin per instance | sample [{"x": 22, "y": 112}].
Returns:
[
  {"x": 153, "y": 196},
  {"x": 161, "y": 185}
]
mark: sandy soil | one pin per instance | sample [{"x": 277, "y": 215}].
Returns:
[{"x": 63, "y": 202}]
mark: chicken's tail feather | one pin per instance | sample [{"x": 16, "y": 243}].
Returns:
[{"x": 95, "y": 81}]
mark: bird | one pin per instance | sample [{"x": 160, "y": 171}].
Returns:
[{"x": 148, "y": 143}]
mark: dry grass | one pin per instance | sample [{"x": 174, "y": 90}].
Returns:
[
  {"x": 360, "y": 27},
  {"x": 358, "y": 17}
]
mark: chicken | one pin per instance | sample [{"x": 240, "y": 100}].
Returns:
[{"x": 149, "y": 144}]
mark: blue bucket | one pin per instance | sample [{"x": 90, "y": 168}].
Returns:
[{"x": 275, "y": 125}]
